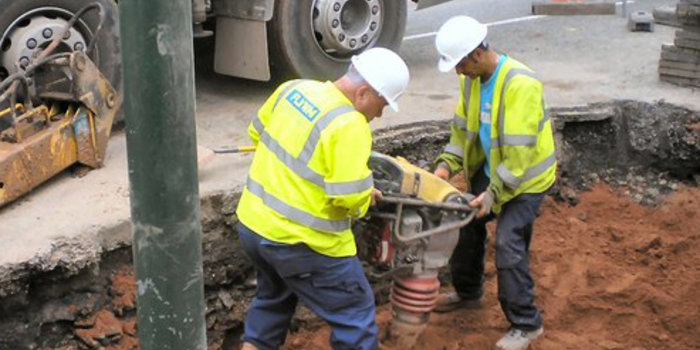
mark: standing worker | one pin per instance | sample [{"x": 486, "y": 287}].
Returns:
[
  {"x": 502, "y": 140},
  {"x": 308, "y": 179}
]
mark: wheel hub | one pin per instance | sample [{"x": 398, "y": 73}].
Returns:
[
  {"x": 345, "y": 27},
  {"x": 31, "y": 33}
]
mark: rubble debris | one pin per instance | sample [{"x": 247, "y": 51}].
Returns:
[
  {"x": 56, "y": 310},
  {"x": 121, "y": 289},
  {"x": 401, "y": 140},
  {"x": 645, "y": 150},
  {"x": 104, "y": 329}
]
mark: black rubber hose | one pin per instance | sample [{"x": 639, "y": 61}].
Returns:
[{"x": 57, "y": 39}]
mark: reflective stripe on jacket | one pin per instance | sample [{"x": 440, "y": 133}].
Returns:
[
  {"x": 309, "y": 175},
  {"x": 522, "y": 144}
]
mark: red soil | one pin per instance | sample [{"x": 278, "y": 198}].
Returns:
[{"x": 610, "y": 274}]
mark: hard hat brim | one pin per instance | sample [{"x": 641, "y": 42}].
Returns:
[
  {"x": 394, "y": 105},
  {"x": 447, "y": 65},
  {"x": 453, "y": 46}
]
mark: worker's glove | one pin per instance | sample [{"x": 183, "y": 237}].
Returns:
[
  {"x": 442, "y": 171},
  {"x": 484, "y": 202},
  {"x": 376, "y": 196}
]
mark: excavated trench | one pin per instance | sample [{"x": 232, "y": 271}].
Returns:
[{"x": 643, "y": 151}]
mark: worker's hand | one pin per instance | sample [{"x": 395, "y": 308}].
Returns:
[
  {"x": 376, "y": 196},
  {"x": 484, "y": 202},
  {"x": 442, "y": 171}
]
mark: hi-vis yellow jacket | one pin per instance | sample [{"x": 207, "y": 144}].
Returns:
[
  {"x": 522, "y": 145},
  {"x": 309, "y": 175}
]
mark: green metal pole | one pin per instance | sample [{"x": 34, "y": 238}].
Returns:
[{"x": 159, "y": 106}]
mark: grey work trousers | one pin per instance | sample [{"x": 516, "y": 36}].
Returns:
[{"x": 513, "y": 234}]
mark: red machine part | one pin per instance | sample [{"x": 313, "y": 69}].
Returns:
[
  {"x": 412, "y": 299},
  {"x": 415, "y": 294},
  {"x": 385, "y": 250}
]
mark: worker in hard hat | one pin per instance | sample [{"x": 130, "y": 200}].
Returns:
[
  {"x": 308, "y": 179},
  {"x": 502, "y": 141}
]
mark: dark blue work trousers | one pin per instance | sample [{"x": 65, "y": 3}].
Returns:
[
  {"x": 336, "y": 289},
  {"x": 513, "y": 233}
]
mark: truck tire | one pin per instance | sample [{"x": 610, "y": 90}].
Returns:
[
  {"x": 316, "y": 38},
  {"x": 30, "y": 18}
]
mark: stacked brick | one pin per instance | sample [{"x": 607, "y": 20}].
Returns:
[{"x": 680, "y": 62}]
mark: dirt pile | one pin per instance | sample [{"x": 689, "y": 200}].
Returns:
[{"x": 610, "y": 274}]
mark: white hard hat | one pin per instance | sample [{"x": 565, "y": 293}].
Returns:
[
  {"x": 458, "y": 37},
  {"x": 385, "y": 71}
]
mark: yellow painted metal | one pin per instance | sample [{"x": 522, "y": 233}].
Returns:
[
  {"x": 239, "y": 149},
  {"x": 416, "y": 182},
  {"x": 246, "y": 149},
  {"x": 422, "y": 184},
  {"x": 5, "y": 112},
  {"x": 44, "y": 141},
  {"x": 41, "y": 156},
  {"x": 25, "y": 125}
]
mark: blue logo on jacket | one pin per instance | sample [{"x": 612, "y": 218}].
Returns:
[{"x": 303, "y": 105}]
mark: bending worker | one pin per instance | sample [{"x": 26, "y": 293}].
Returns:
[
  {"x": 502, "y": 140},
  {"x": 308, "y": 179}
]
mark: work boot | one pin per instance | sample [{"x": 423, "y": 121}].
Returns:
[
  {"x": 517, "y": 339},
  {"x": 452, "y": 301}
]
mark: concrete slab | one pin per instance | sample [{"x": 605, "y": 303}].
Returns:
[
  {"x": 681, "y": 73},
  {"x": 693, "y": 44},
  {"x": 573, "y": 7},
  {"x": 688, "y": 14},
  {"x": 680, "y": 65},
  {"x": 680, "y": 81},
  {"x": 666, "y": 15},
  {"x": 674, "y": 53},
  {"x": 688, "y": 34}
]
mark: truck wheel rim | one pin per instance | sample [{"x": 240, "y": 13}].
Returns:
[
  {"x": 346, "y": 27},
  {"x": 27, "y": 36}
]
